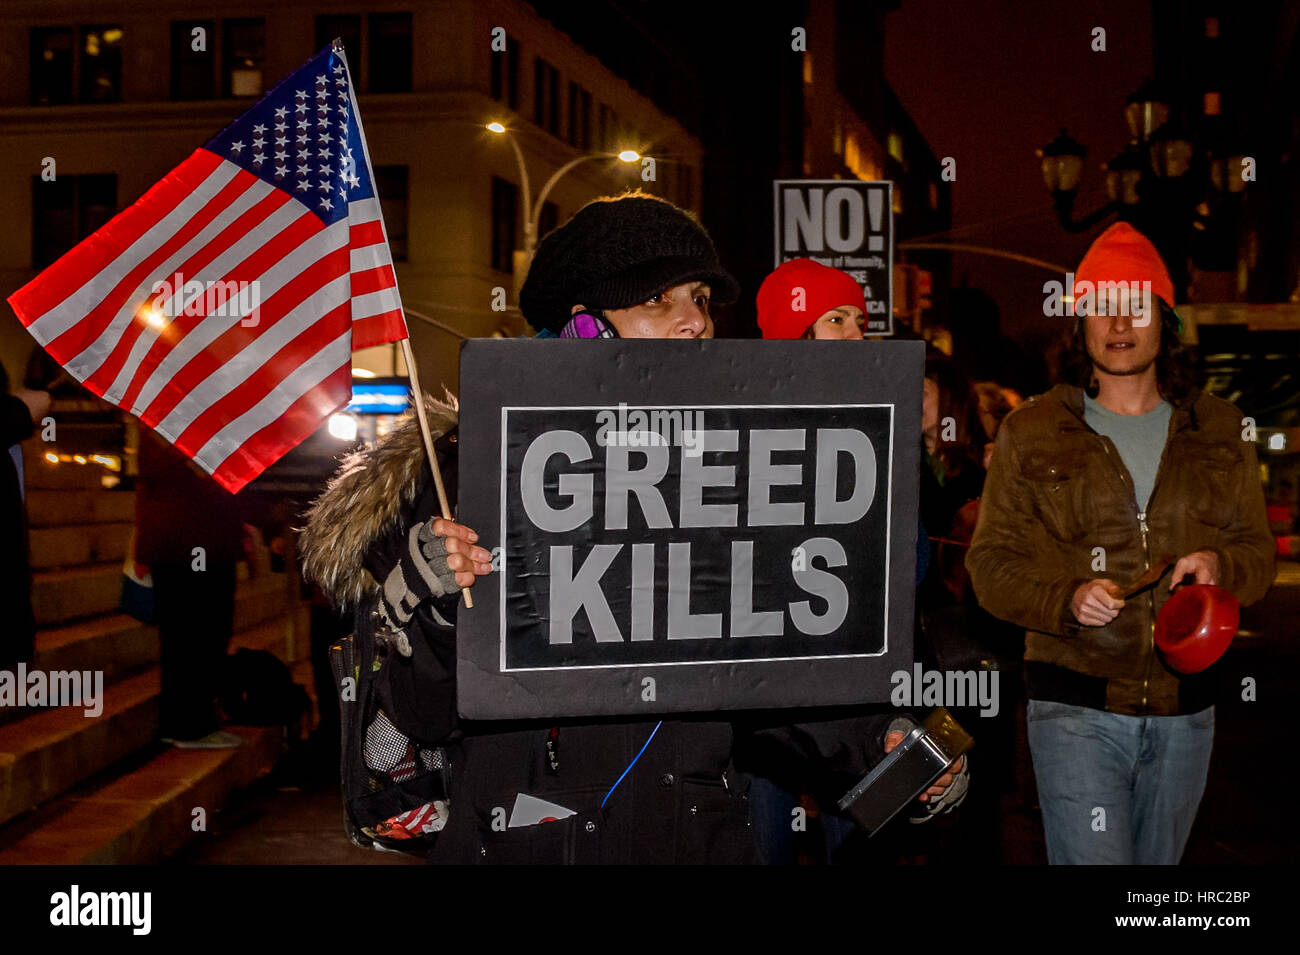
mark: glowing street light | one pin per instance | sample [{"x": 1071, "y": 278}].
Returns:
[
  {"x": 343, "y": 427},
  {"x": 533, "y": 210}
]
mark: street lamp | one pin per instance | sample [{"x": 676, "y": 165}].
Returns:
[
  {"x": 1146, "y": 110},
  {"x": 1062, "y": 164},
  {"x": 1124, "y": 175},
  {"x": 533, "y": 210},
  {"x": 1160, "y": 183},
  {"x": 1062, "y": 161}
]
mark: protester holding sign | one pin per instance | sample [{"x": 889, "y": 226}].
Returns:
[{"x": 610, "y": 790}]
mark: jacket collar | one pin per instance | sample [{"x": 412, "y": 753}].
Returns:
[
  {"x": 367, "y": 498},
  {"x": 1070, "y": 397}
]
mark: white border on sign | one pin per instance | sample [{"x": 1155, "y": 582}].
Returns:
[{"x": 889, "y": 527}]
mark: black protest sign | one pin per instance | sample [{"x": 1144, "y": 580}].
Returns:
[
  {"x": 848, "y": 225},
  {"x": 687, "y": 526}
]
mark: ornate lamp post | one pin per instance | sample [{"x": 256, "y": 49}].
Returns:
[{"x": 1159, "y": 182}]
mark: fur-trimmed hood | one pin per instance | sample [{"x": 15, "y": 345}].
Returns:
[{"x": 364, "y": 501}]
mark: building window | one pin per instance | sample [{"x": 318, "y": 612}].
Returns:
[
  {"x": 387, "y": 36},
  {"x": 579, "y": 117},
  {"x": 51, "y": 66},
  {"x": 91, "y": 65},
  {"x": 101, "y": 64},
  {"x": 895, "y": 145},
  {"x": 245, "y": 57},
  {"x": 606, "y": 127},
  {"x": 390, "y": 52},
  {"x": 193, "y": 71},
  {"x": 505, "y": 224},
  {"x": 546, "y": 96},
  {"x": 391, "y": 187},
  {"x": 505, "y": 74},
  {"x": 66, "y": 210},
  {"x": 345, "y": 27}
]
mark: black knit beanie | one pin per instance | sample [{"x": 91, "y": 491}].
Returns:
[{"x": 616, "y": 253}]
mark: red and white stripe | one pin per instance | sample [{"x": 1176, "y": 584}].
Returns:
[{"x": 232, "y": 392}]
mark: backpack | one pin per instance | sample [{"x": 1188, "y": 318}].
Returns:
[
  {"x": 395, "y": 787},
  {"x": 256, "y": 688}
]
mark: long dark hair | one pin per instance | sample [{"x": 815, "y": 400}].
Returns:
[{"x": 1176, "y": 375}]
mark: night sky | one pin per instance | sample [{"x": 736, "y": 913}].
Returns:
[{"x": 990, "y": 81}]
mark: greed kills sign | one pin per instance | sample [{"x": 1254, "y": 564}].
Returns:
[
  {"x": 847, "y": 225},
  {"x": 741, "y": 540},
  {"x": 710, "y": 546}
]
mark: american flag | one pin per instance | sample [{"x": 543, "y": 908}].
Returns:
[{"x": 222, "y": 308}]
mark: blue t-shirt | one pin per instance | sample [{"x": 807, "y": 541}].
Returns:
[{"x": 1139, "y": 438}]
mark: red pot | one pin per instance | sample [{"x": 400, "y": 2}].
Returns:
[{"x": 1195, "y": 626}]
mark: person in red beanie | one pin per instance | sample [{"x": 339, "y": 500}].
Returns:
[
  {"x": 1090, "y": 486},
  {"x": 803, "y": 299}
]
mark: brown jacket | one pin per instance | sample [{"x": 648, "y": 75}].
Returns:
[{"x": 1058, "y": 501}]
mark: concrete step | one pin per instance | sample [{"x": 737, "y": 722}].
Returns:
[
  {"x": 48, "y": 752},
  {"x": 275, "y": 635},
  {"x": 89, "y": 590},
  {"x": 116, "y": 645},
  {"x": 70, "y": 545},
  {"x": 259, "y": 599},
  {"x": 52, "y": 508},
  {"x": 148, "y": 813},
  {"x": 72, "y": 593}
]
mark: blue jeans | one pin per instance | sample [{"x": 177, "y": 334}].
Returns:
[
  {"x": 771, "y": 810},
  {"x": 1118, "y": 790}
]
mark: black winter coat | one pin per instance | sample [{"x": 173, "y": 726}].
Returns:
[{"x": 683, "y": 801}]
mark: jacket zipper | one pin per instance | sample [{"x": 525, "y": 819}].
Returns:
[
  {"x": 1127, "y": 481},
  {"x": 1151, "y": 635}
]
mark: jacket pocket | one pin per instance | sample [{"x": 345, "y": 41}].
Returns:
[
  {"x": 1211, "y": 473},
  {"x": 715, "y": 827},
  {"x": 1056, "y": 486},
  {"x": 544, "y": 843},
  {"x": 547, "y": 843}
]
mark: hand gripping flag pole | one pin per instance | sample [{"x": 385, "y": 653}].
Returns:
[
  {"x": 417, "y": 393},
  {"x": 428, "y": 444},
  {"x": 222, "y": 307}
]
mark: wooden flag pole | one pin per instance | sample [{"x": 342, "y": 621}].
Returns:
[{"x": 418, "y": 395}]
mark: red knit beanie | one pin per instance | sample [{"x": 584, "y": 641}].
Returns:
[
  {"x": 1123, "y": 254},
  {"x": 823, "y": 288}
]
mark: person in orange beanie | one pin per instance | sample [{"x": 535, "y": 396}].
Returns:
[
  {"x": 804, "y": 299},
  {"x": 1091, "y": 485},
  {"x": 1122, "y": 271}
]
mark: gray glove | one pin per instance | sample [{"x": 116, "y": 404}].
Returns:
[
  {"x": 421, "y": 573},
  {"x": 952, "y": 797}
]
